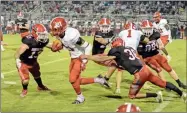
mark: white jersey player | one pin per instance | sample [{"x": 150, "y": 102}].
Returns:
[
  {"x": 71, "y": 39},
  {"x": 161, "y": 25},
  {"x": 130, "y": 35},
  {"x": 1, "y": 33},
  {"x": 9, "y": 26}
]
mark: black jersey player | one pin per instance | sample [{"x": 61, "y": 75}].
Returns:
[
  {"x": 102, "y": 37},
  {"x": 26, "y": 56},
  {"x": 125, "y": 58},
  {"x": 150, "y": 53},
  {"x": 22, "y": 25}
]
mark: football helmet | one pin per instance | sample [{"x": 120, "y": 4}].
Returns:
[
  {"x": 118, "y": 42},
  {"x": 58, "y": 26},
  {"x": 104, "y": 25},
  {"x": 157, "y": 17},
  {"x": 20, "y": 16},
  {"x": 129, "y": 25},
  {"x": 39, "y": 32},
  {"x": 128, "y": 107},
  {"x": 147, "y": 28}
]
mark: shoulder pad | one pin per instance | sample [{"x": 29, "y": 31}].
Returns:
[
  {"x": 28, "y": 40},
  {"x": 163, "y": 21}
]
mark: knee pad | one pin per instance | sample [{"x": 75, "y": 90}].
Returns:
[
  {"x": 26, "y": 81},
  {"x": 158, "y": 70},
  {"x": 131, "y": 96},
  {"x": 72, "y": 81}
]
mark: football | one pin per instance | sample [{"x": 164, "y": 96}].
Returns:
[
  {"x": 56, "y": 45},
  {"x": 128, "y": 107}
]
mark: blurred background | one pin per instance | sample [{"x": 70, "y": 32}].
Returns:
[{"x": 84, "y": 15}]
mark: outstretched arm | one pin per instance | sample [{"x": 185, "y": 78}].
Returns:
[
  {"x": 97, "y": 58},
  {"x": 21, "y": 50}
]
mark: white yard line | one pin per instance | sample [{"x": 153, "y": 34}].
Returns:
[
  {"x": 164, "y": 104},
  {"x": 46, "y": 63}
]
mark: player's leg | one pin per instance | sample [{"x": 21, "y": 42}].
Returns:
[
  {"x": 152, "y": 63},
  {"x": 110, "y": 72},
  {"x": 165, "y": 65},
  {"x": 163, "y": 41},
  {"x": 163, "y": 84},
  {"x": 118, "y": 81},
  {"x": 139, "y": 79},
  {"x": 75, "y": 70},
  {"x": 76, "y": 80},
  {"x": 35, "y": 71},
  {"x": 84, "y": 81},
  {"x": 137, "y": 85},
  {"x": 24, "y": 76}
]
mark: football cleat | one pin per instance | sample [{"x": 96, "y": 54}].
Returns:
[
  {"x": 184, "y": 97},
  {"x": 103, "y": 81},
  {"x": 23, "y": 93},
  {"x": 43, "y": 88},
  {"x": 159, "y": 97},
  {"x": 117, "y": 91},
  {"x": 181, "y": 85},
  {"x": 77, "y": 102}
]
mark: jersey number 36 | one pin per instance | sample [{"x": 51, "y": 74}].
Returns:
[{"x": 131, "y": 53}]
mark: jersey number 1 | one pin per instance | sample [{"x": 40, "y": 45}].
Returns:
[{"x": 129, "y": 34}]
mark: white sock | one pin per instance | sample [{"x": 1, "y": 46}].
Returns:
[
  {"x": 2, "y": 48},
  {"x": 80, "y": 97},
  {"x": 98, "y": 80}
]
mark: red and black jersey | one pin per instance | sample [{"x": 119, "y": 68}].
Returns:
[
  {"x": 99, "y": 48},
  {"x": 151, "y": 48},
  {"x": 126, "y": 59},
  {"x": 35, "y": 48}
]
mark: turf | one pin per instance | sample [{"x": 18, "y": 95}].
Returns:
[{"x": 54, "y": 69}]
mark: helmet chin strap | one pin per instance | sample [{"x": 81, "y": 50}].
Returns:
[{"x": 61, "y": 35}]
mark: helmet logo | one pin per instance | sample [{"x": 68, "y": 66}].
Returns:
[{"x": 57, "y": 25}]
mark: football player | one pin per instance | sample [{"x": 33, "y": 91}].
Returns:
[
  {"x": 26, "y": 57},
  {"x": 9, "y": 27},
  {"x": 102, "y": 38},
  {"x": 125, "y": 58},
  {"x": 70, "y": 39},
  {"x": 161, "y": 25},
  {"x": 22, "y": 25},
  {"x": 131, "y": 37},
  {"x": 1, "y": 33},
  {"x": 1, "y": 38},
  {"x": 151, "y": 56}
]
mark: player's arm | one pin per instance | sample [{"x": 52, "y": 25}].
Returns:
[
  {"x": 85, "y": 45},
  {"x": 101, "y": 40},
  {"x": 97, "y": 58},
  {"x": 144, "y": 39},
  {"x": 21, "y": 50}
]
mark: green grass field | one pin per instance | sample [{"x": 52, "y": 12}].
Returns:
[{"x": 54, "y": 69}]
